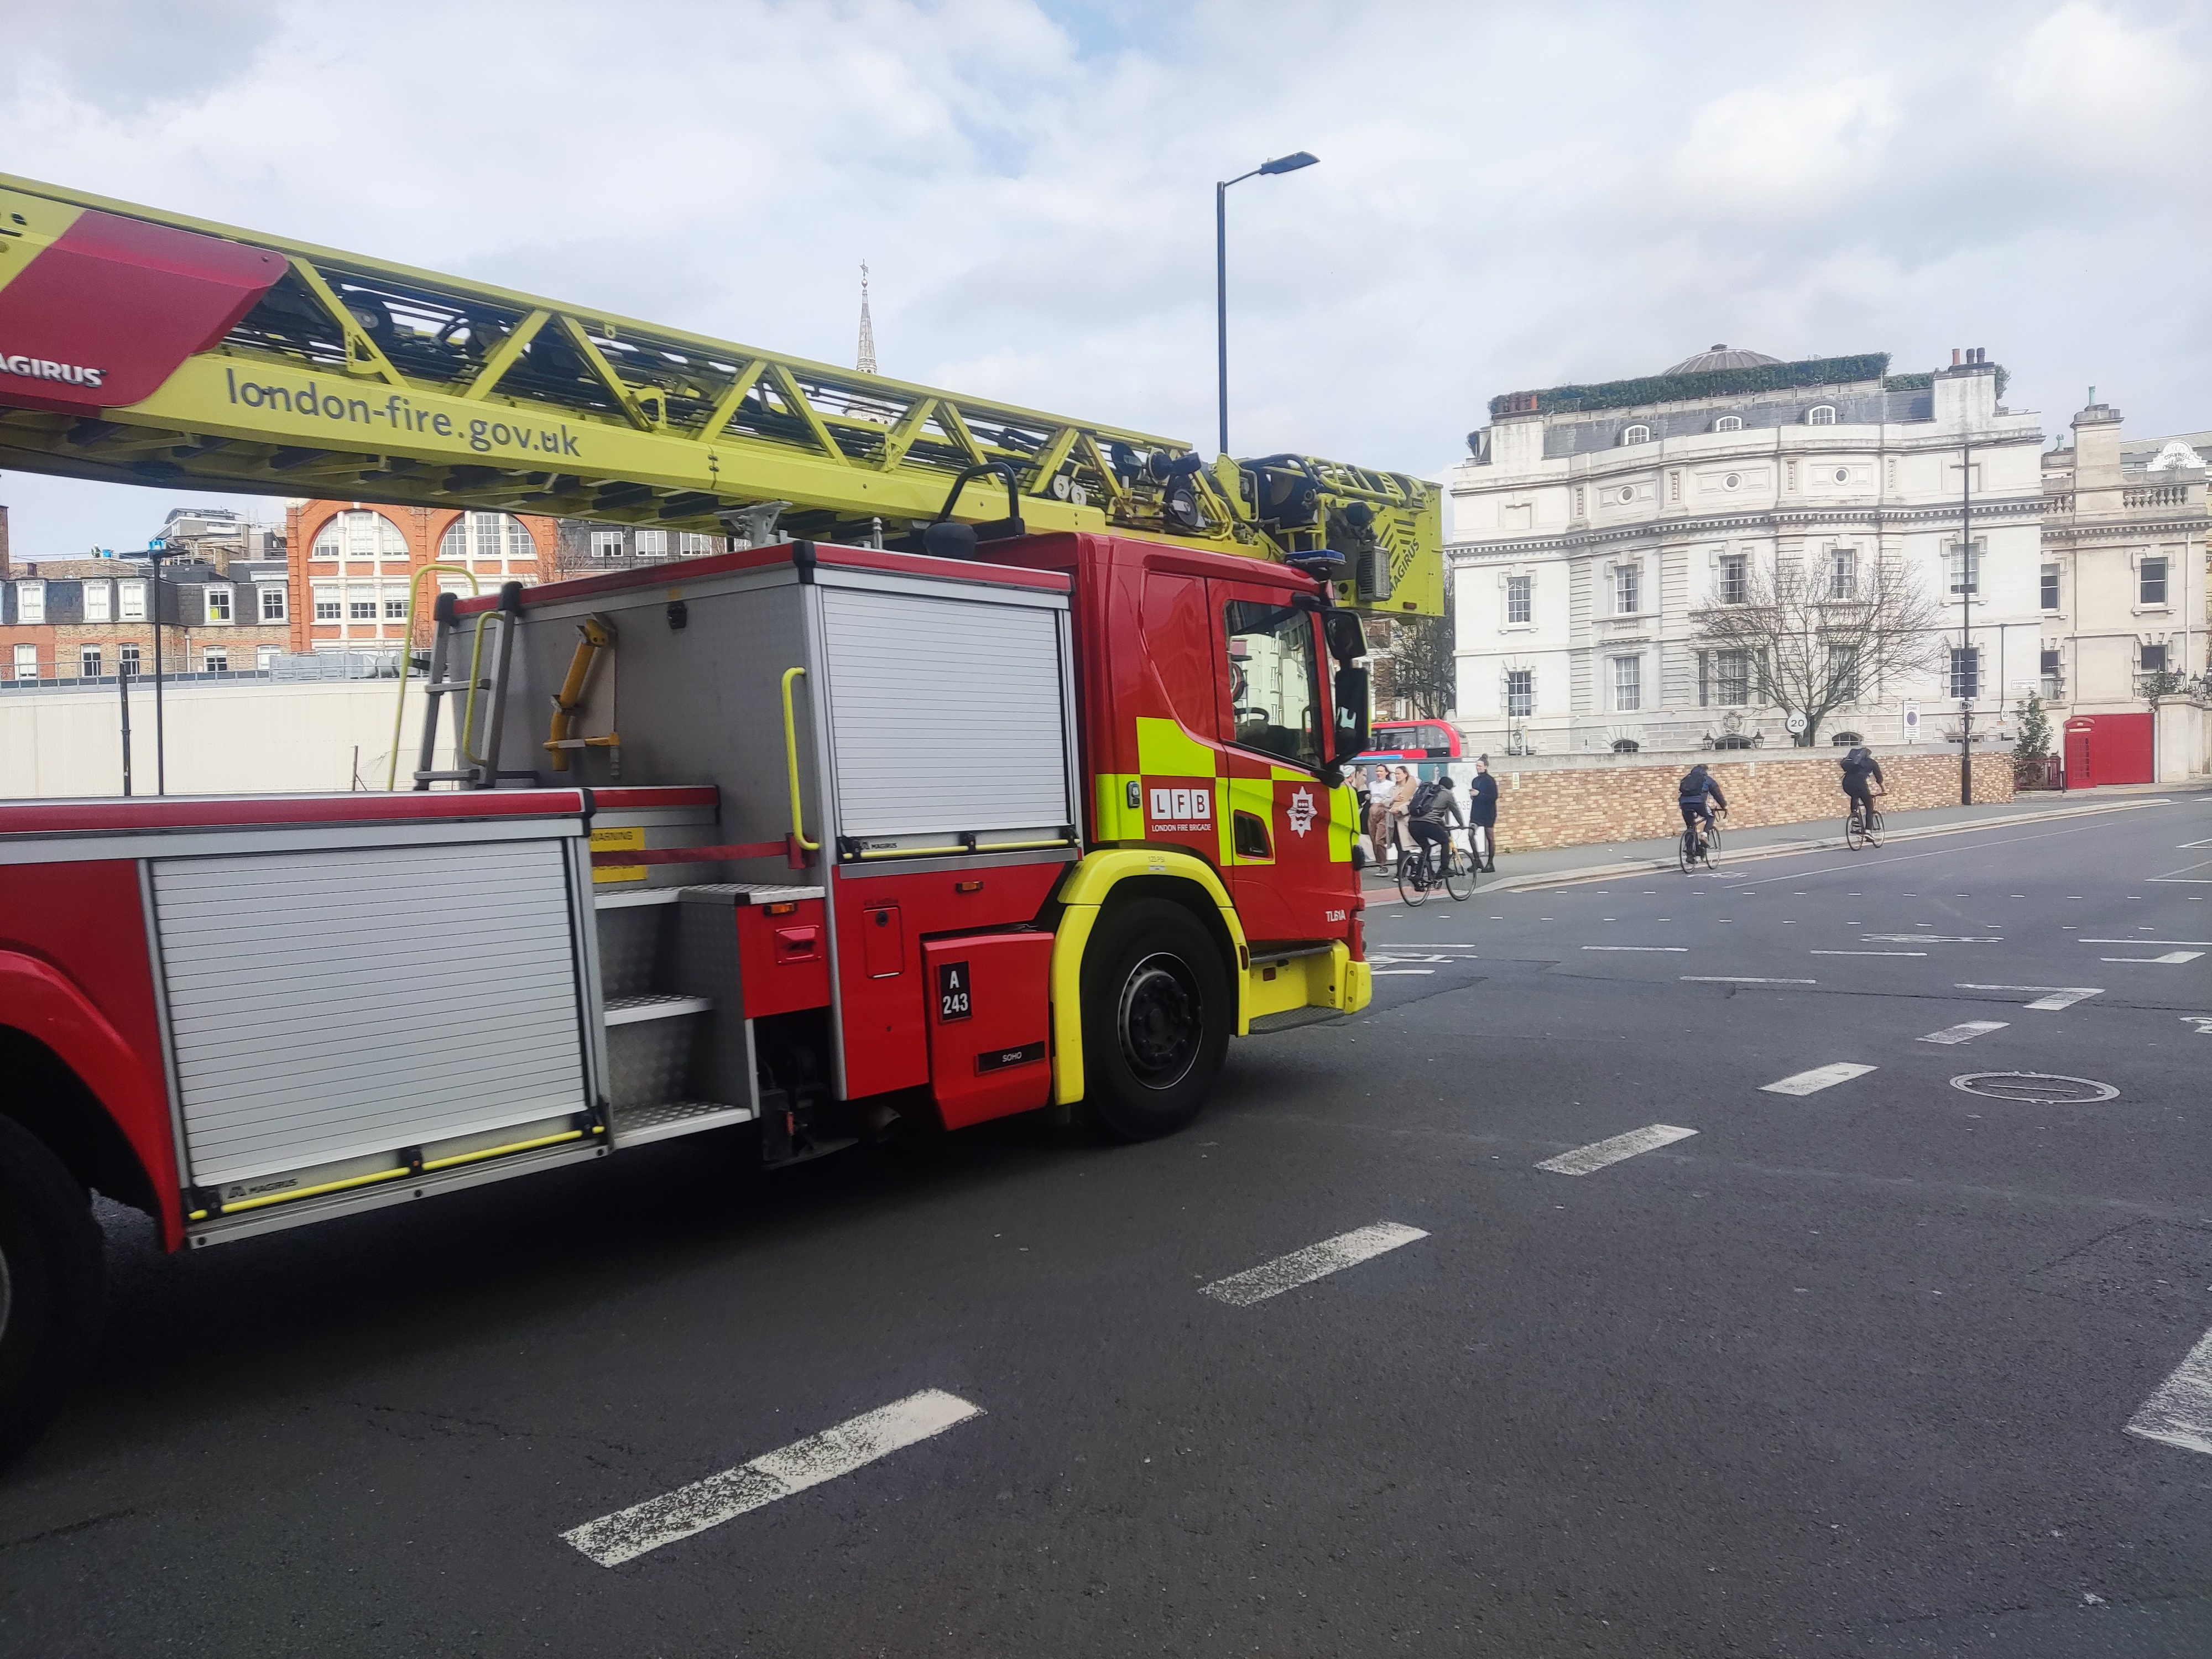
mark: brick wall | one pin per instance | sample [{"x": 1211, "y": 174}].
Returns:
[{"x": 1572, "y": 806}]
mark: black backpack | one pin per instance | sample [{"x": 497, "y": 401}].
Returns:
[{"x": 1425, "y": 799}]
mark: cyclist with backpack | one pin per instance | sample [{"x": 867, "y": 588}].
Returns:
[
  {"x": 1860, "y": 771},
  {"x": 1697, "y": 794},
  {"x": 1434, "y": 806}
]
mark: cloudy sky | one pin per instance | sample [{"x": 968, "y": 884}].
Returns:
[{"x": 1509, "y": 196}]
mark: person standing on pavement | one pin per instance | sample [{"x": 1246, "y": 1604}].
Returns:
[
  {"x": 1380, "y": 790},
  {"x": 1402, "y": 805},
  {"x": 1482, "y": 815}
]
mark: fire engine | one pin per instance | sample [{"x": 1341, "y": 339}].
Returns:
[{"x": 998, "y": 770}]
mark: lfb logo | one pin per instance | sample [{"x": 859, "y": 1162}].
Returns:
[
  {"x": 1183, "y": 805},
  {"x": 1302, "y": 812}
]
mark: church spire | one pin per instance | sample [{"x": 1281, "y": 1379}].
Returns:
[{"x": 867, "y": 363}]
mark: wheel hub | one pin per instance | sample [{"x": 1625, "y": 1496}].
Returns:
[{"x": 1159, "y": 1020}]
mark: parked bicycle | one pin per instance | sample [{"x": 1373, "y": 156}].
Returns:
[{"x": 1432, "y": 864}]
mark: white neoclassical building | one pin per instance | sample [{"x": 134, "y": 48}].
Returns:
[{"x": 1590, "y": 525}]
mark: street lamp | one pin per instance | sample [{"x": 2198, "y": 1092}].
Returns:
[{"x": 1290, "y": 163}]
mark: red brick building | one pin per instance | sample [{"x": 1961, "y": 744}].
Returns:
[{"x": 353, "y": 566}]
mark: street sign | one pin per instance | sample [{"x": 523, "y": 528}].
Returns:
[
  {"x": 1795, "y": 725},
  {"x": 1912, "y": 722}
]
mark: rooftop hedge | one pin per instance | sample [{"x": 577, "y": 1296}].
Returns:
[{"x": 1709, "y": 383}]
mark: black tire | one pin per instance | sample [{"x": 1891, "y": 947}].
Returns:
[
  {"x": 1459, "y": 875},
  {"x": 53, "y": 1285},
  {"x": 1685, "y": 853},
  {"x": 1873, "y": 830},
  {"x": 1713, "y": 848},
  {"x": 1854, "y": 835},
  {"x": 1158, "y": 1012},
  {"x": 1412, "y": 876}
]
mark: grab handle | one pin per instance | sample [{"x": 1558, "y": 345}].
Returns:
[{"x": 791, "y": 762}]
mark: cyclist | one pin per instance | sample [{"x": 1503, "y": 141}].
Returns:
[
  {"x": 1859, "y": 766},
  {"x": 1434, "y": 805},
  {"x": 1697, "y": 794}
]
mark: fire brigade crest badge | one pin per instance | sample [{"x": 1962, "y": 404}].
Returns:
[{"x": 1302, "y": 812}]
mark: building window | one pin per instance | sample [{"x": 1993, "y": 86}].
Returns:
[
  {"x": 27, "y": 662},
  {"x": 497, "y": 537},
  {"x": 1820, "y": 415},
  {"x": 1732, "y": 677},
  {"x": 2051, "y": 587},
  {"x": 216, "y": 660},
  {"x": 2051, "y": 675},
  {"x": 1843, "y": 671},
  {"x": 326, "y": 605},
  {"x": 360, "y": 607},
  {"x": 133, "y": 601},
  {"x": 1636, "y": 435},
  {"x": 606, "y": 543},
  {"x": 1274, "y": 674},
  {"x": 127, "y": 662},
  {"x": 218, "y": 604},
  {"x": 1729, "y": 423},
  {"x": 1966, "y": 672},
  {"x": 30, "y": 603},
  {"x": 1627, "y": 494},
  {"x": 87, "y": 662},
  {"x": 395, "y": 603},
  {"x": 652, "y": 544},
  {"x": 360, "y": 534},
  {"x": 1965, "y": 568},
  {"x": 691, "y": 543},
  {"x": 1517, "y": 589},
  {"x": 98, "y": 602},
  {"x": 264, "y": 658},
  {"x": 2154, "y": 659},
  {"x": 1627, "y": 589},
  {"x": 1627, "y": 682},
  {"x": 272, "y": 605},
  {"x": 1520, "y": 693},
  {"x": 1733, "y": 578},
  {"x": 1844, "y": 573},
  {"x": 1732, "y": 481},
  {"x": 2151, "y": 584}
]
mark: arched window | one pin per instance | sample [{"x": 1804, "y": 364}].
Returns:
[
  {"x": 1636, "y": 435},
  {"x": 497, "y": 539},
  {"x": 1820, "y": 415},
  {"x": 360, "y": 534},
  {"x": 1729, "y": 423}
]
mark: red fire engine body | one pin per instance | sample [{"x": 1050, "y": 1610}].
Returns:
[{"x": 815, "y": 837}]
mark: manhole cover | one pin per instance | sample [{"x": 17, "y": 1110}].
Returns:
[{"x": 2035, "y": 1088}]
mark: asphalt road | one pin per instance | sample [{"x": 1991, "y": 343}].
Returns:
[{"x": 1845, "y": 1371}]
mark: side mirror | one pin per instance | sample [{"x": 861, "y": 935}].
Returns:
[
  {"x": 1351, "y": 734},
  {"x": 1347, "y": 642}
]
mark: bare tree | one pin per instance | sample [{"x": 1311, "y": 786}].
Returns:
[
  {"x": 1811, "y": 641},
  {"x": 1425, "y": 671}
]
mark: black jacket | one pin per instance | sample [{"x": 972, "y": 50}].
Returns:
[
  {"x": 1696, "y": 784},
  {"x": 1482, "y": 800},
  {"x": 1858, "y": 767}
]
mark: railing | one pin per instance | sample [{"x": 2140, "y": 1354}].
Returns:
[{"x": 2163, "y": 495}]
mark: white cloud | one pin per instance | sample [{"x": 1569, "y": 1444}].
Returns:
[{"x": 1506, "y": 197}]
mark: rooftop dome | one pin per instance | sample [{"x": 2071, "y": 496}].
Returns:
[{"x": 1721, "y": 356}]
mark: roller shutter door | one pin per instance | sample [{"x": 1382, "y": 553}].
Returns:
[
  {"x": 945, "y": 716},
  {"x": 331, "y": 1004}
]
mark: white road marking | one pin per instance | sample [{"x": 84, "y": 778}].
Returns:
[
  {"x": 628, "y": 1533},
  {"x": 2206, "y": 942},
  {"x": 2180, "y": 1413},
  {"x": 2201, "y": 1022},
  {"x": 2055, "y": 996},
  {"x": 1931, "y": 939},
  {"x": 1734, "y": 979},
  {"x": 2172, "y": 958},
  {"x": 1385, "y": 973},
  {"x": 1599, "y": 1153},
  {"x": 1677, "y": 949},
  {"x": 1967, "y": 1032},
  {"x": 1867, "y": 953},
  {"x": 1287, "y": 1273},
  {"x": 1820, "y": 1077}
]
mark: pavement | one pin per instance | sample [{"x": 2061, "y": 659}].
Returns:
[{"x": 1635, "y": 1279}]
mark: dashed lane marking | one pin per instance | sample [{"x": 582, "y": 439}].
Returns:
[
  {"x": 2205, "y": 942},
  {"x": 1967, "y": 1032},
  {"x": 1867, "y": 953},
  {"x": 628, "y": 1533},
  {"x": 1820, "y": 1077},
  {"x": 1738, "y": 979},
  {"x": 1287, "y": 1273},
  {"x": 1932, "y": 939},
  {"x": 2180, "y": 1413},
  {"x": 1385, "y": 973},
  {"x": 2053, "y": 997},
  {"x": 2172, "y": 958},
  {"x": 1599, "y": 1153},
  {"x": 1676, "y": 949}
]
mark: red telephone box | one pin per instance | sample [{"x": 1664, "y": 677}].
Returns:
[{"x": 2106, "y": 749}]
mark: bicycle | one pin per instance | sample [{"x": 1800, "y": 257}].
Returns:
[
  {"x": 1422, "y": 872},
  {"x": 1858, "y": 834},
  {"x": 1694, "y": 849}
]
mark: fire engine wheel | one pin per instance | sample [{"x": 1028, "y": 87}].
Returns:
[
  {"x": 52, "y": 1281},
  {"x": 1157, "y": 1010}
]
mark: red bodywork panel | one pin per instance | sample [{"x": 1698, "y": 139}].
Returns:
[
  {"x": 990, "y": 1013},
  {"x": 783, "y": 961},
  {"x": 117, "y": 304},
  {"x": 2103, "y": 749},
  {"x": 881, "y": 990}
]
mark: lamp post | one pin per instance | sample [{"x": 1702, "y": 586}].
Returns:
[
  {"x": 1970, "y": 577},
  {"x": 1290, "y": 163}
]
